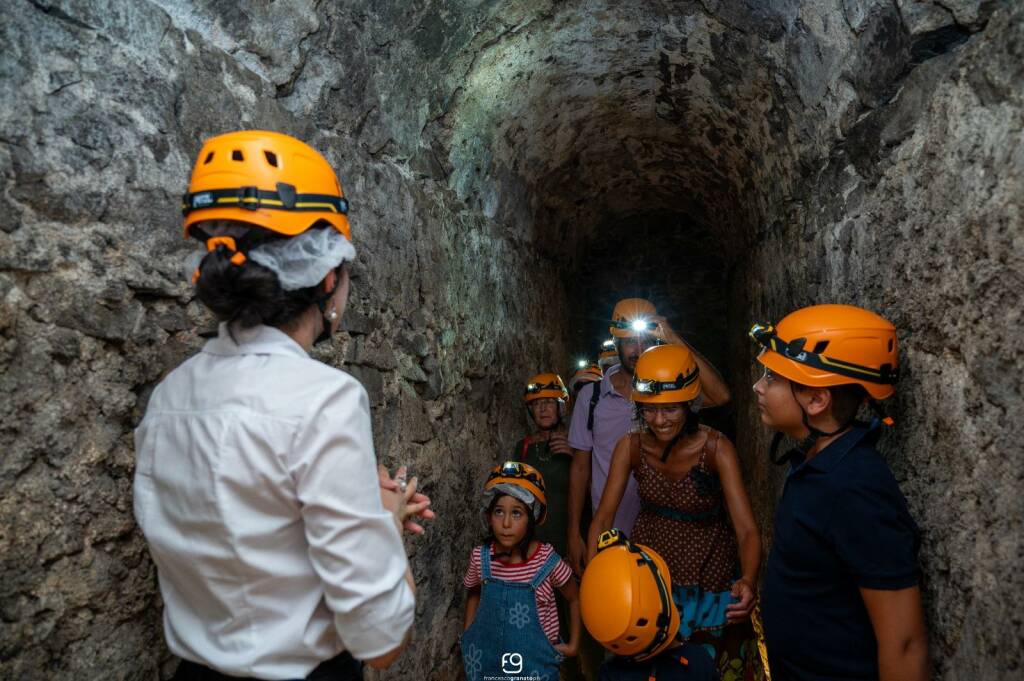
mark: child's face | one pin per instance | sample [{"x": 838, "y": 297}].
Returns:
[
  {"x": 509, "y": 520},
  {"x": 775, "y": 401}
]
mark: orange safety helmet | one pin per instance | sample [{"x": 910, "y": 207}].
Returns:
[
  {"x": 545, "y": 385},
  {"x": 267, "y": 179},
  {"x": 632, "y": 317},
  {"x": 626, "y": 599},
  {"x": 588, "y": 374},
  {"x": 830, "y": 345},
  {"x": 666, "y": 373},
  {"x": 522, "y": 481}
]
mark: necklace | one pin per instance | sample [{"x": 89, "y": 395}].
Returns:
[{"x": 545, "y": 453}]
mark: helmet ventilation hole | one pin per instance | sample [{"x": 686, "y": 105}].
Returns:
[
  {"x": 631, "y": 638},
  {"x": 642, "y": 622},
  {"x": 236, "y": 155},
  {"x": 615, "y": 645},
  {"x": 209, "y": 157},
  {"x": 820, "y": 346},
  {"x": 890, "y": 345},
  {"x": 271, "y": 157}
]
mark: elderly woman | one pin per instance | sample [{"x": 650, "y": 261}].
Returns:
[
  {"x": 276, "y": 539},
  {"x": 694, "y": 508}
]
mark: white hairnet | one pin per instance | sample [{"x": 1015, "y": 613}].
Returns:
[
  {"x": 304, "y": 260},
  {"x": 299, "y": 262}
]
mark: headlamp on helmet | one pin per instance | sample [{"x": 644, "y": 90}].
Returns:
[
  {"x": 646, "y": 387},
  {"x": 652, "y": 387},
  {"x": 639, "y": 325},
  {"x": 533, "y": 388}
]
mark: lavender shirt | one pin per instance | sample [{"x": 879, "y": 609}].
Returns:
[{"x": 613, "y": 418}]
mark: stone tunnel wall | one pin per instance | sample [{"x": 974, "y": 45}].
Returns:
[
  {"x": 105, "y": 105},
  {"x": 919, "y": 215},
  {"x": 865, "y": 151}
]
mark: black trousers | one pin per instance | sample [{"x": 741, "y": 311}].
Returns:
[{"x": 341, "y": 668}]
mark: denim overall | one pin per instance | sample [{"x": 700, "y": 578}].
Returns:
[{"x": 505, "y": 639}]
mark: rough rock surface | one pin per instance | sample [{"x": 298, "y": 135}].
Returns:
[{"x": 514, "y": 167}]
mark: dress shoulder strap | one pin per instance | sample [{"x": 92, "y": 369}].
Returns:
[{"x": 710, "y": 447}]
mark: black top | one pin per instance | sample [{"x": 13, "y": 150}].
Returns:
[
  {"x": 842, "y": 524},
  {"x": 665, "y": 667}
]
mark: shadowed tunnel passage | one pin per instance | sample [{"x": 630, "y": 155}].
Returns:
[{"x": 514, "y": 168}]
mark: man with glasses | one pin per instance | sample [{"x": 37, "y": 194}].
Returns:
[{"x": 600, "y": 420}]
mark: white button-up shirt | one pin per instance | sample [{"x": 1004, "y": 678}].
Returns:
[{"x": 256, "y": 488}]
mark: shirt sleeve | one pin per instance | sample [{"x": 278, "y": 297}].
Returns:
[
  {"x": 872, "y": 530},
  {"x": 472, "y": 578},
  {"x": 580, "y": 437},
  {"x": 354, "y": 543},
  {"x": 560, "y": 575}
]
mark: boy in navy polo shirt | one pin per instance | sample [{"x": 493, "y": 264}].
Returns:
[{"x": 841, "y": 597}]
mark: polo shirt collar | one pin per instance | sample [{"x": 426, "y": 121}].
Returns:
[
  {"x": 258, "y": 340},
  {"x": 606, "y": 381},
  {"x": 828, "y": 458}
]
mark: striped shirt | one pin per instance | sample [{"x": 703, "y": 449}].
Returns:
[{"x": 547, "y": 611}]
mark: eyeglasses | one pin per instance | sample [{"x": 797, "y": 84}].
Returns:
[
  {"x": 768, "y": 376},
  {"x": 673, "y": 411}
]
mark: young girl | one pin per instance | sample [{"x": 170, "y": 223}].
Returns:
[{"x": 511, "y": 622}]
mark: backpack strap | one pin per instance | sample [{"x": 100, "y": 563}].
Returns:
[{"x": 595, "y": 397}]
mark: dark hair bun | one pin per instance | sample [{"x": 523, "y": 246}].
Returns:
[{"x": 248, "y": 294}]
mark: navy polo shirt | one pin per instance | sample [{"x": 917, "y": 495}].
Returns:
[{"x": 842, "y": 524}]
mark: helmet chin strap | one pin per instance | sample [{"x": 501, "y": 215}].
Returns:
[{"x": 805, "y": 444}]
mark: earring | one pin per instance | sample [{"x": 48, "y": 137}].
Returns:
[{"x": 332, "y": 315}]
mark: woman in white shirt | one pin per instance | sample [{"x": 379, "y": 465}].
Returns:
[{"x": 276, "y": 538}]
